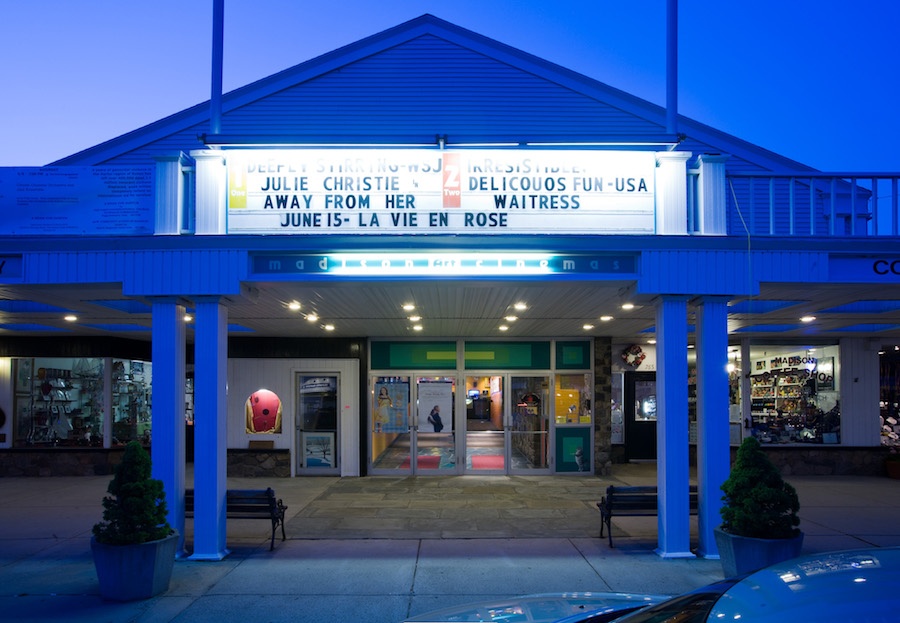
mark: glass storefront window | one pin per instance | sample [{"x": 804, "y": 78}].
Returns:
[
  {"x": 794, "y": 395},
  {"x": 573, "y": 398},
  {"x": 58, "y": 402}
]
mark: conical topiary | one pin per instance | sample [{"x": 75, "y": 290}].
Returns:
[
  {"x": 135, "y": 509},
  {"x": 758, "y": 503}
]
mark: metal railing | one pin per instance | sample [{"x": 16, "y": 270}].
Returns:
[{"x": 813, "y": 204}]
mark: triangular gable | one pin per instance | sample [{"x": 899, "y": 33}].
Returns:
[{"x": 420, "y": 79}]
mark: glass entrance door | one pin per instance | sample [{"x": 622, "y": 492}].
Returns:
[
  {"x": 507, "y": 424},
  {"x": 412, "y": 426},
  {"x": 435, "y": 439},
  {"x": 486, "y": 425},
  {"x": 529, "y": 441},
  {"x": 390, "y": 434}
]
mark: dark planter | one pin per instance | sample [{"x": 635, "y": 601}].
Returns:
[
  {"x": 892, "y": 467},
  {"x": 741, "y": 554},
  {"x": 131, "y": 572}
]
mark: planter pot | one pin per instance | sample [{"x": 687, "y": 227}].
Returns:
[
  {"x": 741, "y": 554},
  {"x": 130, "y": 572},
  {"x": 893, "y": 469}
]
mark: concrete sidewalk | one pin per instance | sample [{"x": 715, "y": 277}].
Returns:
[{"x": 380, "y": 549}]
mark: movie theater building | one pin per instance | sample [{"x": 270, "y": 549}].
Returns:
[{"x": 349, "y": 269}]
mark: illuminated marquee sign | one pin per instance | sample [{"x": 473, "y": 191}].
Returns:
[
  {"x": 440, "y": 192},
  {"x": 439, "y": 264}
]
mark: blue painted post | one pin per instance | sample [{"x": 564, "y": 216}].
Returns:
[
  {"x": 167, "y": 449},
  {"x": 673, "y": 474},
  {"x": 713, "y": 442},
  {"x": 210, "y": 368}
]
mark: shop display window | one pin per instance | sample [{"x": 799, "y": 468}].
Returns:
[
  {"x": 131, "y": 393},
  {"x": 889, "y": 362},
  {"x": 59, "y": 402},
  {"x": 794, "y": 395}
]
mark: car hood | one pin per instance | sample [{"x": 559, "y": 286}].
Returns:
[
  {"x": 838, "y": 586},
  {"x": 539, "y": 608}
]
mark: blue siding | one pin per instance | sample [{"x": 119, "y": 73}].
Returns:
[
  {"x": 145, "y": 273},
  {"x": 420, "y": 79},
  {"x": 422, "y": 88}
]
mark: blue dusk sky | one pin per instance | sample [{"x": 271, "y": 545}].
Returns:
[{"x": 814, "y": 80}]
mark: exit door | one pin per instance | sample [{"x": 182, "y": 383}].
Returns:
[{"x": 640, "y": 415}]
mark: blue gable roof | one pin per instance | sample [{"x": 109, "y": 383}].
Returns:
[{"x": 421, "y": 79}]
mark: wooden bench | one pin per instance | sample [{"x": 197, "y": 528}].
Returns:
[
  {"x": 248, "y": 504},
  {"x": 633, "y": 502}
]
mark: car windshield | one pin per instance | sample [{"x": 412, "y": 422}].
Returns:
[{"x": 690, "y": 608}]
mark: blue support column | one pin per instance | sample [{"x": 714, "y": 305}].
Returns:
[
  {"x": 673, "y": 474},
  {"x": 167, "y": 450},
  {"x": 210, "y": 442},
  {"x": 713, "y": 442}
]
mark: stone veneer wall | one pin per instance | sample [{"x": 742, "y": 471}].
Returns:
[
  {"x": 825, "y": 460},
  {"x": 44, "y": 462},
  {"x": 48, "y": 462},
  {"x": 602, "y": 406},
  {"x": 259, "y": 463}
]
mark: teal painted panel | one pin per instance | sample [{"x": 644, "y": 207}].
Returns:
[
  {"x": 573, "y": 449},
  {"x": 413, "y": 355},
  {"x": 573, "y": 355},
  {"x": 507, "y": 355}
]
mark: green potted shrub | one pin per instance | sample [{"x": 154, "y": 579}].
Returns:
[
  {"x": 759, "y": 514},
  {"x": 134, "y": 546}
]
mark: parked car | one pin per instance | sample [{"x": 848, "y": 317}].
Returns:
[
  {"x": 543, "y": 608},
  {"x": 845, "y": 586}
]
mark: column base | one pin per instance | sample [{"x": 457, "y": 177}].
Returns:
[
  {"x": 664, "y": 554},
  {"x": 210, "y": 557}
]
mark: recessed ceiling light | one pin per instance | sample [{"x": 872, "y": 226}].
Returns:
[
  {"x": 503, "y": 327},
  {"x": 329, "y": 327},
  {"x": 511, "y": 318},
  {"x": 807, "y": 318},
  {"x": 417, "y": 327},
  {"x": 651, "y": 341},
  {"x": 312, "y": 317},
  {"x": 294, "y": 306},
  {"x": 71, "y": 318},
  {"x": 188, "y": 318},
  {"x": 415, "y": 318},
  {"x": 690, "y": 346},
  {"x": 408, "y": 307},
  {"x": 605, "y": 318},
  {"x": 627, "y": 306},
  {"x": 520, "y": 306},
  {"x": 588, "y": 327}
]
